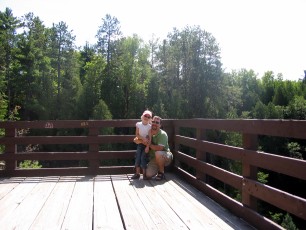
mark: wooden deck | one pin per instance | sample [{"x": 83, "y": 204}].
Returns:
[{"x": 108, "y": 202}]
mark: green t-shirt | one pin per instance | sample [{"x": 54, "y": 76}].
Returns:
[{"x": 161, "y": 138}]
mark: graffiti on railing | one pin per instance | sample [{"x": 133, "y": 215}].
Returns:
[
  {"x": 84, "y": 123},
  {"x": 49, "y": 125}
]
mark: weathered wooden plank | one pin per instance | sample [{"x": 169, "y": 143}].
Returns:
[
  {"x": 106, "y": 212},
  {"x": 8, "y": 184},
  {"x": 31, "y": 205},
  {"x": 10, "y": 203},
  {"x": 135, "y": 215},
  {"x": 79, "y": 213},
  {"x": 110, "y": 202},
  {"x": 192, "y": 214},
  {"x": 157, "y": 207},
  {"x": 54, "y": 210},
  {"x": 203, "y": 207}
]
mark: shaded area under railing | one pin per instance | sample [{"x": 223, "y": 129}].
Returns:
[{"x": 195, "y": 154}]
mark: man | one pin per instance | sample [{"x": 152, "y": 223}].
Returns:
[{"x": 159, "y": 151}]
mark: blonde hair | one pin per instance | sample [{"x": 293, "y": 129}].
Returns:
[{"x": 147, "y": 111}]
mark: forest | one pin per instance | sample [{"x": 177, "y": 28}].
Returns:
[{"x": 44, "y": 76}]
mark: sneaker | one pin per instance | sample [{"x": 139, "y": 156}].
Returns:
[
  {"x": 160, "y": 176},
  {"x": 135, "y": 176}
]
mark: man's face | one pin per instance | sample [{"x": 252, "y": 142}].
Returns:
[{"x": 155, "y": 124}]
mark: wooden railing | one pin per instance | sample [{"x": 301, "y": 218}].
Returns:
[
  {"x": 193, "y": 150},
  {"x": 91, "y": 155}
]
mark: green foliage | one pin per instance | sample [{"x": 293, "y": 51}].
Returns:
[
  {"x": 29, "y": 164},
  {"x": 284, "y": 220},
  {"x": 288, "y": 223},
  {"x": 101, "y": 111},
  {"x": 14, "y": 114},
  {"x": 276, "y": 217},
  {"x": 262, "y": 177},
  {"x": 294, "y": 149},
  {"x": 296, "y": 109},
  {"x": 50, "y": 79}
]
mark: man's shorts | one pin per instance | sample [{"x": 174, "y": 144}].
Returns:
[
  {"x": 167, "y": 156},
  {"x": 152, "y": 168}
]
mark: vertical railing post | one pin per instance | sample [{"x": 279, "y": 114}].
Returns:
[
  {"x": 11, "y": 150},
  {"x": 176, "y": 145},
  {"x": 200, "y": 154},
  {"x": 171, "y": 140},
  {"x": 93, "y": 149},
  {"x": 250, "y": 142}
]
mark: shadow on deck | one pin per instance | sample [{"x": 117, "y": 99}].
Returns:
[{"x": 109, "y": 202}]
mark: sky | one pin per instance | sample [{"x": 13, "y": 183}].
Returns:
[{"x": 262, "y": 35}]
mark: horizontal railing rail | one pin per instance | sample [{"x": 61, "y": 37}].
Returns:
[
  {"x": 251, "y": 159},
  {"x": 197, "y": 149},
  {"x": 92, "y": 137}
]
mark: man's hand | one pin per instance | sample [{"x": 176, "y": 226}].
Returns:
[{"x": 156, "y": 147}]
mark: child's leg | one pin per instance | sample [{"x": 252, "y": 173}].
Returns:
[
  {"x": 137, "y": 173},
  {"x": 137, "y": 162},
  {"x": 138, "y": 157},
  {"x": 144, "y": 164}
]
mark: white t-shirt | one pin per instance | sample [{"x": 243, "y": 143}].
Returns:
[{"x": 143, "y": 129}]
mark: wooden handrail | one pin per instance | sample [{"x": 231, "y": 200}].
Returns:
[{"x": 196, "y": 168}]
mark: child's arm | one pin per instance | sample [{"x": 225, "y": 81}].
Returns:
[
  {"x": 138, "y": 138},
  {"x": 137, "y": 133},
  {"x": 149, "y": 137}
]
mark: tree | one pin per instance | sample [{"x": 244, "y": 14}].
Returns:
[
  {"x": 91, "y": 91},
  {"x": 190, "y": 69},
  {"x": 267, "y": 85},
  {"x": 107, "y": 34},
  {"x": 134, "y": 72},
  {"x": 63, "y": 54},
  {"x": 86, "y": 55},
  {"x": 251, "y": 91},
  {"x": 153, "y": 43},
  {"x": 33, "y": 66},
  {"x": 233, "y": 94},
  {"x": 8, "y": 26},
  {"x": 296, "y": 109}
]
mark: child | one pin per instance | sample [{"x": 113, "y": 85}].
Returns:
[{"x": 143, "y": 132}]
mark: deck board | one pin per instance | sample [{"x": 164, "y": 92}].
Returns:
[
  {"x": 8, "y": 185},
  {"x": 157, "y": 209},
  {"x": 106, "y": 212},
  {"x": 28, "y": 208},
  {"x": 204, "y": 207},
  {"x": 108, "y": 202},
  {"x": 192, "y": 216},
  {"x": 10, "y": 203},
  {"x": 55, "y": 208},
  {"x": 79, "y": 213},
  {"x": 132, "y": 209}
]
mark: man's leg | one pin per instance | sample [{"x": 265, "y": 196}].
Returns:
[
  {"x": 152, "y": 168},
  {"x": 163, "y": 158},
  {"x": 160, "y": 161}
]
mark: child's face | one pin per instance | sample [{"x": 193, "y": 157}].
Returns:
[{"x": 146, "y": 118}]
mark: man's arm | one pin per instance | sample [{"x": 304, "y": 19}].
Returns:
[{"x": 156, "y": 147}]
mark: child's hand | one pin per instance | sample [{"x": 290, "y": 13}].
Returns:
[{"x": 145, "y": 141}]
